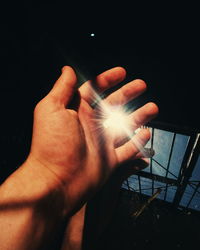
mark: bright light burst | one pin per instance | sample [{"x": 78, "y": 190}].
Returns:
[{"x": 116, "y": 120}]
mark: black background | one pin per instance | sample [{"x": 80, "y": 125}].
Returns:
[{"x": 157, "y": 42}]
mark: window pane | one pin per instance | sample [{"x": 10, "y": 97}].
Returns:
[
  {"x": 162, "y": 146},
  {"x": 187, "y": 196},
  {"x": 157, "y": 169},
  {"x": 133, "y": 182},
  {"x": 171, "y": 190},
  {"x": 180, "y": 145},
  {"x": 158, "y": 184},
  {"x": 196, "y": 171},
  {"x": 195, "y": 203},
  {"x": 146, "y": 186}
]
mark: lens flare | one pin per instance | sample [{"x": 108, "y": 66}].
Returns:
[{"x": 116, "y": 120}]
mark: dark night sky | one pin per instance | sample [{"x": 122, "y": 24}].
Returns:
[{"x": 158, "y": 43}]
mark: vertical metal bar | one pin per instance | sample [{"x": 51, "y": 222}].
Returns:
[
  {"x": 169, "y": 160},
  {"x": 166, "y": 189},
  {"x": 127, "y": 183},
  {"x": 139, "y": 182},
  {"x": 187, "y": 167}
]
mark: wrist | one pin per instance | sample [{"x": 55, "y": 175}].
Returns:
[
  {"x": 32, "y": 207},
  {"x": 35, "y": 186}
]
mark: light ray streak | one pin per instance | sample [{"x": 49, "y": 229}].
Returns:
[{"x": 116, "y": 121}]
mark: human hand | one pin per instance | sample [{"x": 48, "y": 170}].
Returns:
[{"x": 65, "y": 141}]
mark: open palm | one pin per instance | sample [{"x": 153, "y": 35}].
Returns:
[{"x": 65, "y": 138}]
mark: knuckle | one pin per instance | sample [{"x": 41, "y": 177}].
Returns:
[
  {"x": 47, "y": 104},
  {"x": 40, "y": 105}
]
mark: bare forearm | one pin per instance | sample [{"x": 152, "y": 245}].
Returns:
[
  {"x": 73, "y": 236},
  {"x": 31, "y": 207}
]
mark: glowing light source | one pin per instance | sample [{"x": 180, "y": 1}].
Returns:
[{"x": 116, "y": 121}]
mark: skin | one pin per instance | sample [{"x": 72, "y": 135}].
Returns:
[
  {"x": 68, "y": 162},
  {"x": 70, "y": 158}
]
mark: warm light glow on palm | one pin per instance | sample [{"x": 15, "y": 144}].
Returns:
[{"x": 116, "y": 121}]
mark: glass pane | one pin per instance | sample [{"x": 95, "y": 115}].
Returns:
[
  {"x": 134, "y": 183},
  {"x": 161, "y": 185},
  {"x": 180, "y": 145},
  {"x": 171, "y": 190},
  {"x": 124, "y": 185},
  {"x": 195, "y": 203},
  {"x": 146, "y": 186},
  {"x": 196, "y": 171},
  {"x": 157, "y": 169},
  {"x": 187, "y": 196},
  {"x": 147, "y": 169},
  {"x": 162, "y": 146}
]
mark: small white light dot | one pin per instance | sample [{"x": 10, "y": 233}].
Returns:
[{"x": 92, "y": 34}]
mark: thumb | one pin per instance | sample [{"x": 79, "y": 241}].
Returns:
[{"x": 64, "y": 88}]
